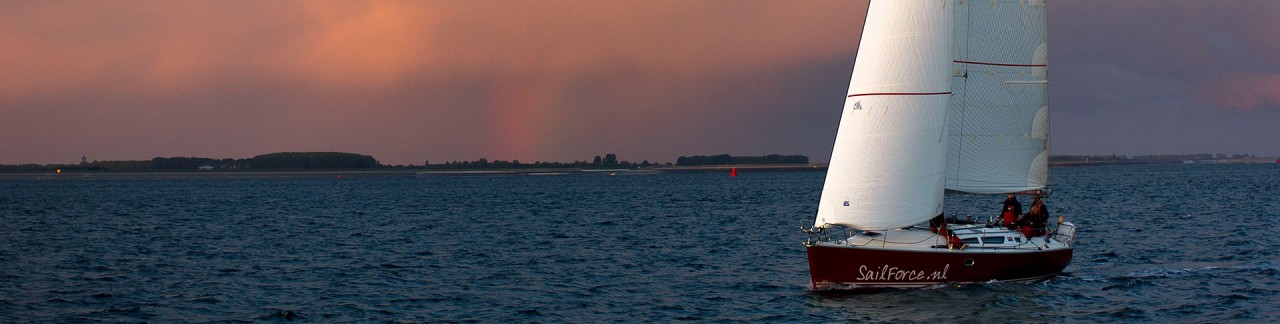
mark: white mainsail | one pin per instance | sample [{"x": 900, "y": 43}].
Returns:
[
  {"x": 999, "y": 115},
  {"x": 889, "y": 160}
]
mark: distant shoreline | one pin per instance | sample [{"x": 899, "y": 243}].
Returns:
[
  {"x": 202, "y": 174},
  {"x": 362, "y": 173},
  {"x": 223, "y": 174},
  {"x": 1171, "y": 161}
]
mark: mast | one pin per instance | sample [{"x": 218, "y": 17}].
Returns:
[
  {"x": 999, "y": 115},
  {"x": 889, "y": 159}
]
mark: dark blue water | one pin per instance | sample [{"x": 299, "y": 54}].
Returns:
[{"x": 1156, "y": 243}]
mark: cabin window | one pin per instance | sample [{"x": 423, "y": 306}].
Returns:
[
  {"x": 993, "y": 240},
  {"x": 971, "y": 240}
]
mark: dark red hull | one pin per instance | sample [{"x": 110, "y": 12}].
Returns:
[{"x": 860, "y": 267}]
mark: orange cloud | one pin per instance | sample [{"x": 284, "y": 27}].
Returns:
[
  {"x": 543, "y": 79},
  {"x": 163, "y": 44},
  {"x": 137, "y": 47},
  {"x": 550, "y": 36},
  {"x": 366, "y": 45}
]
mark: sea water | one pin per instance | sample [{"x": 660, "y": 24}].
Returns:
[{"x": 1155, "y": 243}]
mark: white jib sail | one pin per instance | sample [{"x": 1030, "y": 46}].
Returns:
[
  {"x": 888, "y": 163},
  {"x": 999, "y": 116}
]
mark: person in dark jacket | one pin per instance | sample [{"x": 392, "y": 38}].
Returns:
[
  {"x": 1033, "y": 223},
  {"x": 1010, "y": 212}
]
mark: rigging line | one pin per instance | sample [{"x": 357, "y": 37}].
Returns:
[
  {"x": 899, "y": 94},
  {"x": 895, "y": 242},
  {"x": 964, "y": 100},
  {"x": 999, "y": 64}
]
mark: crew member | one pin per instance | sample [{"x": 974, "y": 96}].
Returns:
[
  {"x": 1033, "y": 223},
  {"x": 1010, "y": 212},
  {"x": 939, "y": 226}
]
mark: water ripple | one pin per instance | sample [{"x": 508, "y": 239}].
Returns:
[{"x": 1158, "y": 243}]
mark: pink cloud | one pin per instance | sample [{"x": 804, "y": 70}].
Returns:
[
  {"x": 1243, "y": 91},
  {"x": 171, "y": 46}
]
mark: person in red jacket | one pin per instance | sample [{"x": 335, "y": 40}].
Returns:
[
  {"x": 1010, "y": 212},
  {"x": 1033, "y": 223},
  {"x": 939, "y": 226}
]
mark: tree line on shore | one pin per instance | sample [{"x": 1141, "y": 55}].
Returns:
[
  {"x": 608, "y": 161},
  {"x": 272, "y": 161},
  {"x": 353, "y": 161},
  {"x": 1176, "y": 158},
  {"x": 725, "y": 159}
]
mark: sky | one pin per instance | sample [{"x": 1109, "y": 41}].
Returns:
[{"x": 415, "y": 81}]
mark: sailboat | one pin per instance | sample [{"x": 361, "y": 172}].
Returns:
[{"x": 946, "y": 96}]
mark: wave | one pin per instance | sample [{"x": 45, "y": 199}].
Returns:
[{"x": 1197, "y": 268}]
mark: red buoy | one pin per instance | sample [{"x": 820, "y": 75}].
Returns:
[{"x": 733, "y": 172}]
